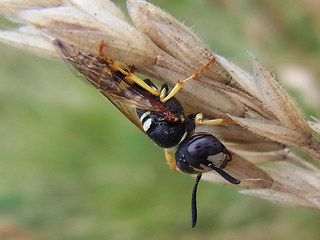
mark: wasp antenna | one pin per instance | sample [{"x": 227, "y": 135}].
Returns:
[
  {"x": 194, "y": 211},
  {"x": 225, "y": 175}
]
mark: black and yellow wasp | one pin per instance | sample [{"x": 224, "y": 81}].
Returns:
[{"x": 157, "y": 113}]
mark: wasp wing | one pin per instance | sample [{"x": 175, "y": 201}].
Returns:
[{"x": 111, "y": 84}]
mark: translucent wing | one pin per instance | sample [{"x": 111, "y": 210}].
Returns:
[{"x": 110, "y": 83}]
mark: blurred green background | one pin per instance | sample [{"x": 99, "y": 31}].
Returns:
[{"x": 72, "y": 167}]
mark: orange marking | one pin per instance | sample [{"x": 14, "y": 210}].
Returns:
[
  {"x": 170, "y": 160},
  {"x": 101, "y": 46}
]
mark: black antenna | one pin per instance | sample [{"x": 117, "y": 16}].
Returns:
[
  {"x": 225, "y": 175},
  {"x": 194, "y": 212}
]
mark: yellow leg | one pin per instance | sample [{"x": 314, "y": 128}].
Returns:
[
  {"x": 198, "y": 120},
  {"x": 170, "y": 160},
  {"x": 130, "y": 78},
  {"x": 163, "y": 93},
  {"x": 179, "y": 84}
]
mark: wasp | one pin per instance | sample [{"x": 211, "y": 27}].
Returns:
[{"x": 157, "y": 113}]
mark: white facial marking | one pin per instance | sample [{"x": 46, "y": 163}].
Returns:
[
  {"x": 217, "y": 159},
  {"x": 183, "y": 137},
  {"x": 143, "y": 116},
  {"x": 146, "y": 125}
]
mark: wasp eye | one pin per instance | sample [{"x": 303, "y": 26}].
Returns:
[
  {"x": 193, "y": 152},
  {"x": 204, "y": 145}
]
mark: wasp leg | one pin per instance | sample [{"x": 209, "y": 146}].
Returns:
[
  {"x": 130, "y": 77},
  {"x": 164, "y": 91},
  {"x": 199, "y": 120},
  {"x": 179, "y": 84},
  {"x": 170, "y": 160}
]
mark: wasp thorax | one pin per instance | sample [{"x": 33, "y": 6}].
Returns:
[{"x": 164, "y": 133}]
